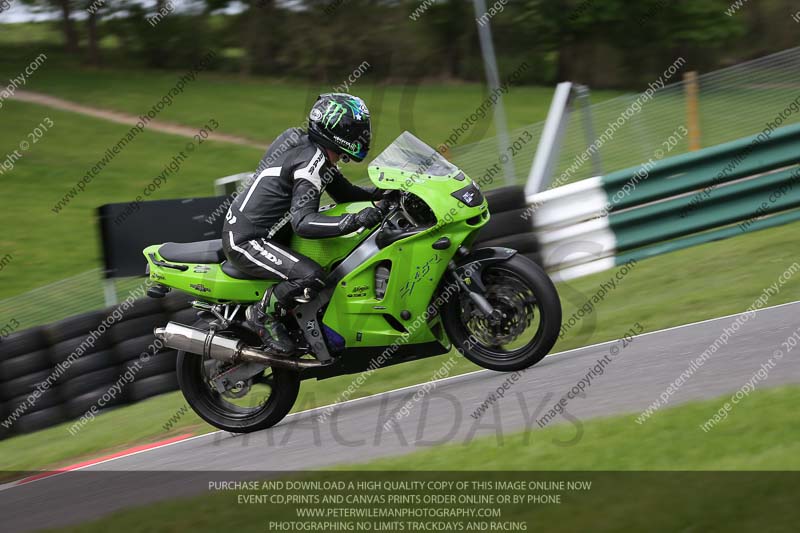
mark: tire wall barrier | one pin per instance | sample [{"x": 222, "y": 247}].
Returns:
[
  {"x": 69, "y": 370},
  {"x": 510, "y": 223},
  {"x": 50, "y": 374}
]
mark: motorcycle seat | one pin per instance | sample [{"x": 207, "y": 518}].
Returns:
[{"x": 193, "y": 252}]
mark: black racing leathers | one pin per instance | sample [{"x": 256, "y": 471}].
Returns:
[
  {"x": 288, "y": 184},
  {"x": 285, "y": 196}
]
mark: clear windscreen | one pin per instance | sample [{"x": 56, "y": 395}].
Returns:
[{"x": 409, "y": 154}]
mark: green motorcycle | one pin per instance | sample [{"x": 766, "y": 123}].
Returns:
[{"x": 411, "y": 288}]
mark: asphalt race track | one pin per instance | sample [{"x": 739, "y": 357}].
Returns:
[{"x": 637, "y": 374}]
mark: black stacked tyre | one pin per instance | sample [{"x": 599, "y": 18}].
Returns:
[
  {"x": 91, "y": 361},
  {"x": 510, "y": 225},
  {"x": 26, "y": 362}
]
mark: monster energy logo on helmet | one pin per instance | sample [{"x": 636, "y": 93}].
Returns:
[
  {"x": 341, "y": 122},
  {"x": 335, "y": 111},
  {"x": 333, "y": 114},
  {"x": 354, "y": 146}
]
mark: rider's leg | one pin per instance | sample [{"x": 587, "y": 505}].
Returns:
[
  {"x": 271, "y": 260},
  {"x": 262, "y": 318}
]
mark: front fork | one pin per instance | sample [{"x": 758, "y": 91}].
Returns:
[{"x": 465, "y": 270}]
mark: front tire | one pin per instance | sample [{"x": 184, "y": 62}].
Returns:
[
  {"x": 217, "y": 410},
  {"x": 527, "y": 299}
]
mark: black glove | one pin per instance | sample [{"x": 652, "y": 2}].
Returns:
[
  {"x": 378, "y": 194},
  {"x": 369, "y": 216},
  {"x": 366, "y": 218}
]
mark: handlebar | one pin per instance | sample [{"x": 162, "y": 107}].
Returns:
[{"x": 387, "y": 203}]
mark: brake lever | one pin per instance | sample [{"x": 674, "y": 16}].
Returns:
[
  {"x": 391, "y": 212},
  {"x": 384, "y": 207}
]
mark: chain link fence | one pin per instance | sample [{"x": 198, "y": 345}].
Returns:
[
  {"x": 61, "y": 299},
  {"x": 732, "y": 103}
]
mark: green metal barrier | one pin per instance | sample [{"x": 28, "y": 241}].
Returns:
[
  {"x": 716, "y": 193},
  {"x": 709, "y": 167}
]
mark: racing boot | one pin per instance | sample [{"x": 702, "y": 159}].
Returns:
[{"x": 274, "y": 337}]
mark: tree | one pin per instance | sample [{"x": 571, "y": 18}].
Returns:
[
  {"x": 259, "y": 36},
  {"x": 93, "y": 10},
  {"x": 643, "y": 35},
  {"x": 652, "y": 33},
  {"x": 65, "y": 8},
  {"x": 452, "y": 24}
]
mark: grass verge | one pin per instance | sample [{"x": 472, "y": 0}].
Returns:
[
  {"x": 260, "y": 108},
  {"x": 48, "y": 246}
]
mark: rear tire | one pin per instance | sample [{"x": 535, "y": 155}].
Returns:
[
  {"x": 527, "y": 274},
  {"x": 211, "y": 407}
]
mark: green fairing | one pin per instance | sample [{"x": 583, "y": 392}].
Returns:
[
  {"x": 328, "y": 251},
  {"x": 417, "y": 268}
]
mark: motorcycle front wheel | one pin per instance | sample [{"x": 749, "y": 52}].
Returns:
[
  {"x": 527, "y": 323},
  {"x": 259, "y": 403}
]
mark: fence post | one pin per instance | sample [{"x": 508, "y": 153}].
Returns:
[
  {"x": 549, "y": 145},
  {"x": 493, "y": 78},
  {"x": 582, "y": 95},
  {"x": 110, "y": 292},
  {"x": 692, "y": 108}
]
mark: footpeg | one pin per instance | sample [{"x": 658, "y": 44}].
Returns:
[{"x": 307, "y": 296}]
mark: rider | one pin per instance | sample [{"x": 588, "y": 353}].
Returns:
[{"x": 297, "y": 167}]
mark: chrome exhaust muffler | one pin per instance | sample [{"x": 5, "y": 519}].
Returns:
[{"x": 193, "y": 340}]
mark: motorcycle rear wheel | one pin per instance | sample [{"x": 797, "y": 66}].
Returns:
[
  {"x": 526, "y": 298},
  {"x": 228, "y": 413}
]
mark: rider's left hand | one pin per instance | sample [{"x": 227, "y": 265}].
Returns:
[{"x": 369, "y": 217}]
